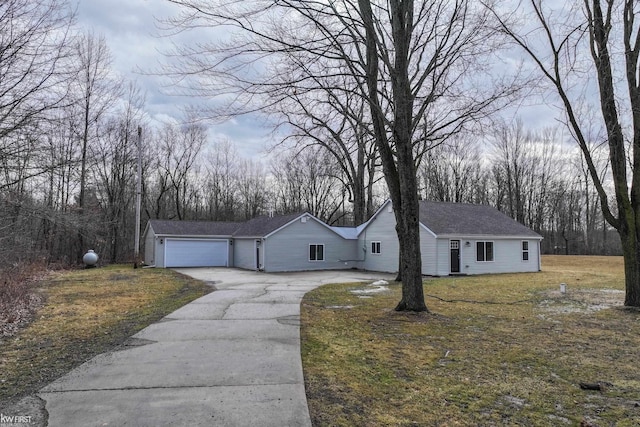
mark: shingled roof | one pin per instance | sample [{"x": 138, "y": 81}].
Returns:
[
  {"x": 193, "y": 228},
  {"x": 263, "y": 225},
  {"x": 462, "y": 218},
  {"x": 257, "y": 227}
]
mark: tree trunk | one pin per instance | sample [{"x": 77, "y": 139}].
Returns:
[
  {"x": 631, "y": 253},
  {"x": 410, "y": 268},
  {"x": 407, "y": 210},
  {"x": 399, "y": 167}
]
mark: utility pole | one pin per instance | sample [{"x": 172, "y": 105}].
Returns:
[{"x": 136, "y": 255}]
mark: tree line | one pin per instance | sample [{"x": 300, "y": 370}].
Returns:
[{"x": 69, "y": 146}]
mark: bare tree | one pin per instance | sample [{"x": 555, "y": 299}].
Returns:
[
  {"x": 34, "y": 50},
  {"x": 221, "y": 169},
  {"x": 327, "y": 112},
  {"x": 559, "y": 43},
  {"x": 179, "y": 148},
  {"x": 452, "y": 171},
  {"x": 115, "y": 153},
  {"x": 308, "y": 181},
  {"x": 252, "y": 189},
  {"x": 95, "y": 90}
]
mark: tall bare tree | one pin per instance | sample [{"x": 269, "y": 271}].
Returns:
[
  {"x": 35, "y": 39},
  {"x": 600, "y": 39},
  {"x": 179, "y": 148}
]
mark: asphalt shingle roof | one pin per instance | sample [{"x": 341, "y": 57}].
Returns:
[
  {"x": 257, "y": 227},
  {"x": 263, "y": 225},
  {"x": 462, "y": 218}
]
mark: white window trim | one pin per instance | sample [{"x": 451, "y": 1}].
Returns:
[
  {"x": 323, "y": 252},
  {"x": 493, "y": 252},
  {"x": 379, "y": 243}
]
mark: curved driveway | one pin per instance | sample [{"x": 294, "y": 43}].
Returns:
[{"x": 230, "y": 358}]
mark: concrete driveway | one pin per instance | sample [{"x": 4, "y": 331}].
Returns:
[{"x": 230, "y": 358}]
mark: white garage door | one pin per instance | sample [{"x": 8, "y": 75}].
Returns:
[{"x": 195, "y": 253}]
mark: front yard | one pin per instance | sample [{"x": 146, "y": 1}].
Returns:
[{"x": 494, "y": 350}]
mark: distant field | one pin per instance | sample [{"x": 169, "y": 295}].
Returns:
[{"x": 494, "y": 350}]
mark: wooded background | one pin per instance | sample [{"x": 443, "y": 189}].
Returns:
[{"x": 68, "y": 153}]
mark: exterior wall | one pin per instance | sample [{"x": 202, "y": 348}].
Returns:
[
  {"x": 507, "y": 256},
  {"x": 288, "y": 248},
  {"x": 244, "y": 253},
  {"x": 444, "y": 257},
  {"x": 159, "y": 251},
  {"x": 436, "y": 256},
  {"x": 149, "y": 247},
  {"x": 382, "y": 228},
  {"x": 429, "y": 251}
]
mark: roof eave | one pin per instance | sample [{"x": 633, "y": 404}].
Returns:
[
  {"x": 190, "y": 236},
  {"x": 488, "y": 236}
]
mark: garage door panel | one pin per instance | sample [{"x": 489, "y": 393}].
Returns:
[{"x": 195, "y": 253}]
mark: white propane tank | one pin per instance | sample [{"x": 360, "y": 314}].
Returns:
[{"x": 90, "y": 258}]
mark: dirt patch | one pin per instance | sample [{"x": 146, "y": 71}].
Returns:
[{"x": 580, "y": 300}]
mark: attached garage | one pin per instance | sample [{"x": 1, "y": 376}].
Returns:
[
  {"x": 196, "y": 253},
  {"x": 188, "y": 243}
]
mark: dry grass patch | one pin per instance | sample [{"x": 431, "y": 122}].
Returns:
[
  {"x": 494, "y": 350},
  {"x": 86, "y": 313}
]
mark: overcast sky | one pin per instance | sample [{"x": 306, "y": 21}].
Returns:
[{"x": 130, "y": 29}]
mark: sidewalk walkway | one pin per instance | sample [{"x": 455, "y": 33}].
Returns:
[{"x": 230, "y": 358}]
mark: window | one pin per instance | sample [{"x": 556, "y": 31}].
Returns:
[
  {"x": 484, "y": 251},
  {"x": 525, "y": 250},
  {"x": 375, "y": 248},
  {"x": 316, "y": 252}
]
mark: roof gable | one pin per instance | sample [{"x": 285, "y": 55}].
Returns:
[
  {"x": 261, "y": 226},
  {"x": 264, "y": 225}
]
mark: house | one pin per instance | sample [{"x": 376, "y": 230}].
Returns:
[
  {"x": 455, "y": 239},
  {"x": 295, "y": 242}
]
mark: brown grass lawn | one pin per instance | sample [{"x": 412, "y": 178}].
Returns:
[
  {"x": 86, "y": 313},
  {"x": 494, "y": 350}
]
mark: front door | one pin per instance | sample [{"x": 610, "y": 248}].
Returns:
[
  {"x": 258, "y": 255},
  {"x": 455, "y": 256}
]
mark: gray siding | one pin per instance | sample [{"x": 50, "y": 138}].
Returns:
[
  {"x": 288, "y": 248},
  {"x": 149, "y": 247},
  {"x": 507, "y": 257},
  {"x": 436, "y": 260},
  {"x": 443, "y": 257},
  {"x": 428, "y": 249},
  {"x": 380, "y": 229},
  {"x": 244, "y": 253},
  {"x": 159, "y": 251}
]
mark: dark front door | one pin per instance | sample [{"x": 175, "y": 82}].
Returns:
[
  {"x": 257, "y": 254},
  {"x": 455, "y": 256}
]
